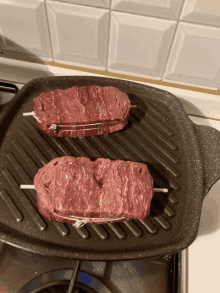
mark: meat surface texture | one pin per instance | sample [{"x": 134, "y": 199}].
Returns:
[
  {"x": 79, "y": 187},
  {"x": 105, "y": 107}
]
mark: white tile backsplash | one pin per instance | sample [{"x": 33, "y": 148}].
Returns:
[
  {"x": 139, "y": 45},
  {"x": 163, "y": 8},
  {"x": 202, "y": 11},
  {"x": 194, "y": 57},
  {"x": 24, "y": 27},
  {"x": 174, "y": 40},
  {"x": 79, "y": 34}
]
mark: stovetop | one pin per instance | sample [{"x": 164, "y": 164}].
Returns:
[
  {"x": 191, "y": 275},
  {"x": 25, "y": 272}
]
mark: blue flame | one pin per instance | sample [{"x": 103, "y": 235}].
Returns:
[{"x": 85, "y": 278}]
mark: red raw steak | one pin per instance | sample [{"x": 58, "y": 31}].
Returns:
[
  {"x": 91, "y": 190},
  {"x": 106, "y": 108}
]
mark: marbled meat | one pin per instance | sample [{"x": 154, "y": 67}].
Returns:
[
  {"x": 106, "y": 108},
  {"x": 70, "y": 186}
]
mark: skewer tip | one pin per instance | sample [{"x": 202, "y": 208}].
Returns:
[
  {"x": 164, "y": 190},
  {"x": 26, "y": 186},
  {"x": 29, "y": 113}
]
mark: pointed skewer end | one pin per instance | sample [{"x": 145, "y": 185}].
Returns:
[
  {"x": 26, "y": 186},
  {"x": 29, "y": 113},
  {"x": 164, "y": 190}
]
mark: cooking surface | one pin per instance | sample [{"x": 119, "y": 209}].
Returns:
[{"x": 152, "y": 136}]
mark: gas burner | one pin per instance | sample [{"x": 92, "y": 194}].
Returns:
[
  {"x": 65, "y": 281},
  {"x": 64, "y": 286},
  {"x": 23, "y": 271}
]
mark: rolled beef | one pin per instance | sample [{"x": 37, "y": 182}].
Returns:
[
  {"x": 89, "y": 190},
  {"x": 68, "y": 112}
]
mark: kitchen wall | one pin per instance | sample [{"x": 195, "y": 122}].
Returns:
[{"x": 176, "y": 41}]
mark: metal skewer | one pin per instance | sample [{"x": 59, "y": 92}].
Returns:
[
  {"x": 81, "y": 221},
  {"x": 29, "y": 113},
  {"x": 26, "y": 186},
  {"x": 163, "y": 190},
  {"x": 32, "y": 113}
]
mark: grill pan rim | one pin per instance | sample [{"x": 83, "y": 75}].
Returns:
[
  {"x": 39, "y": 248},
  {"x": 176, "y": 246}
]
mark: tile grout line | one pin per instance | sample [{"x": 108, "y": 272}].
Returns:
[
  {"x": 77, "y": 4},
  {"x": 48, "y": 25},
  {"x": 80, "y": 65},
  {"x": 169, "y": 51},
  {"x": 200, "y": 24},
  {"x": 144, "y": 15},
  {"x": 108, "y": 39},
  {"x": 217, "y": 80},
  {"x": 181, "y": 9},
  {"x": 166, "y": 18},
  {"x": 190, "y": 84},
  {"x": 109, "y": 8}
]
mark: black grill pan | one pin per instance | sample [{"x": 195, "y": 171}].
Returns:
[{"x": 181, "y": 156}]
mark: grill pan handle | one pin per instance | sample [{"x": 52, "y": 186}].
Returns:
[{"x": 209, "y": 140}]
